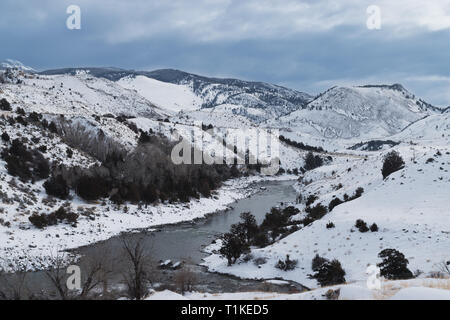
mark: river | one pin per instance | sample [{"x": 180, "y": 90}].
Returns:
[{"x": 185, "y": 242}]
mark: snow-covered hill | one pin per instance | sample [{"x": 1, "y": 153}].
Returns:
[
  {"x": 172, "y": 97},
  {"x": 14, "y": 64},
  {"x": 80, "y": 94},
  {"x": 257, "y": 101},
  {"x": 358, "y": 113},
  {"x": 410, "y": 208}
]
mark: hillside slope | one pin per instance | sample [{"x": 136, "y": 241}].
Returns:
[
  {"x": 410, "y": 207},
  {"x": 358, "y": 112}
]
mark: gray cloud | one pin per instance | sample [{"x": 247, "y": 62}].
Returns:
[{"x": 307, "y": 45}]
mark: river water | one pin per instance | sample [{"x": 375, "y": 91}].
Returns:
[{"x": 185, "y": 242}]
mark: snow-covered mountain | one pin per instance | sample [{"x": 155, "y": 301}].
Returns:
[
  {"x": 358, "y": 112},
  {"x": 14, "y": 64},
  {"x": 79, "y": 94},
  {"x": 257, "y": 101}
]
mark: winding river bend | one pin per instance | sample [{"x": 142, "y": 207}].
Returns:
[{"x": 185, "y": 242}]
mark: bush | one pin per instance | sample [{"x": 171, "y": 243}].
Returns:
[
  {"x": 317, "y": 262},
  {"x": 330, "y": 225},
  {"x": 374, "y": 228},
  {"x": 43, "y": 220},
  {"x": 25, "y": 164},
  {"x": 233, "y": 247},
  {"x": 92, "y": 188},
  {"x": 52, "y": 127},
  {"x": 69, "y": 153},
  {"x": 394, "y": 265},
  {"x": 334, "y": 203},
  {"x": 312, "y": 162},
  {"x": 57, "y": 187},
  {"x": 358, "y": 193},
  {"x": 329, "y": 273},
  {"x": 261, "y": 240},
  {"x": 362, "y": 226},
  {"x": 311, "y": 199},
  {"x": 392, "y": 162},
  {"x": 5, "y": 137},
  {"x": 286, "y": 265},
  {"x": 249, "y": 226},
  {"x": 317, "y": 212},
  {"x": 4, "y": 105}
]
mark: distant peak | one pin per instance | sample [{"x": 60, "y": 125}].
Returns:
[{"x": 15, "y": 64}]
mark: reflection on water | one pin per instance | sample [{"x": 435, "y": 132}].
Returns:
[{"x": 185, "y": 241}]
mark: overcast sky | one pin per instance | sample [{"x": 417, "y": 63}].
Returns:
[{"x": 309, "y": 45}]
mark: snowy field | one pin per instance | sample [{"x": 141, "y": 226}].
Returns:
[{"x": 417, "y": 289}]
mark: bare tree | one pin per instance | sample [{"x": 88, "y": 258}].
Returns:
[
  {"x": 96, "y": 269},
  {"x": 445, "y": 267},
  {"x": 13, "y": 285},
  {"x": 137, "y": 275},
  {"x": 57, "y": 273},
  {"x": 185, "y": 280}
]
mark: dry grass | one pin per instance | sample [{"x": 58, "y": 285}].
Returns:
[{"x": 390, "y": 288}]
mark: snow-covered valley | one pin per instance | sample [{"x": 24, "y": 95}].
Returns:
[{"x": 118, "y": 109}]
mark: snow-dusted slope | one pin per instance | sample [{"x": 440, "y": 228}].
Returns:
[
  {"x": 257, "y": 101},
  {"x": 80, "y": 94},
  {"x": 358, "y": 112},
  {"x": 411, "y": 209},
  {"x": 434, "y": 130},
  {"x": 417, "y": 289},
  {"x": 165, "y": 95},
  {"x": 14, "y": 64}
]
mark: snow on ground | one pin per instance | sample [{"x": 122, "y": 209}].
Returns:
[
  {"x": 77, "y": 95},
  {"x": 411, "y": 209},
  {"x": 290, "y": 157},
  {"x": 417, "y": 289},
  {"x": 102, "y": 221},
  {"x": 165, "y": 95}
]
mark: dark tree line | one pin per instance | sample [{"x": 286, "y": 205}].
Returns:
[
  {"x": 301, "y": 145},
  {"x": 145, "y": 175}
]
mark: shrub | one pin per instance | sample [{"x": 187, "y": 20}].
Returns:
[
  {"x": 57, "y": 187},
  {"x": 92, "y": 187},
  {"x": 249, "y": 225},
  {"x": 52, "y": 127},
  {"x": 329, "y": 273},
  {"x": 330, "y": 225},
  {"x": 233, "y": 247},
  {"x": 358, "y": 193},
  {"x": 43, "y": 220},
  {"x": 317, "y": 262},
  {"x": 312, "y": 162},
  {"x": 5, "y": 137},
  {"x": 261, "y": 240},
  {"x": 361, "y": 225},
  {"x": 392, "y": 162},
  {"x": 69, "y": 153},
  {"x": 25, "y": 164},
  {"x": 4, "y": 105},
  {"x": 334, "y": 203},
  {"x": 286, "y": 265},
  {"x": 311, "y": 199},
  {"x": 317, "y": 212},
  {"x": 394, "y": 265},
  {"x": 374, "y": 228}
]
